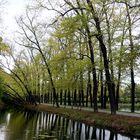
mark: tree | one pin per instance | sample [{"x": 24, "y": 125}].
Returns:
[
  {"x": 132, "y": 59},
  {"x": 99, "y": 36},
  {"x": 30, "y": 33}
]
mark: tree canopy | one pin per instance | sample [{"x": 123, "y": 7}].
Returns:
[{"x": 88, "y": 52}]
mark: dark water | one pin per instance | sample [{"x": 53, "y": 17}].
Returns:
[{"x": 15, "y": 125}]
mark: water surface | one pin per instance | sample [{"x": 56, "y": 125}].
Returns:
[{"x": 22, "y": 125}]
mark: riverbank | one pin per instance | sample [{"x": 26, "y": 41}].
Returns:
[{"x": 125, "y": 125}]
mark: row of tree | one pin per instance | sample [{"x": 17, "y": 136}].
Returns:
[{"x": 88, "y": 51}]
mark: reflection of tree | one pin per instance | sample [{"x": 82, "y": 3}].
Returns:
[
  {"x": 3, "y": 115},
  {"x": 54, "y": 123},
  {"x": 72, "y": 129},
  {"x": 67, "y": 123},
  {"x": 103, "y": 134},
  {"x": 100, "y": 134},
  {"x": 62, "y": 129},
  {"x": 87, "y": 130},
  {"x": 26, "y": 125},
  {"x": 93, "y": 136},
  {"x": 113, "y": 136},
  {"x": 18, "y": 124}
]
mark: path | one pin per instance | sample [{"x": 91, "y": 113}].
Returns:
[{"x": 100, "y": 110}]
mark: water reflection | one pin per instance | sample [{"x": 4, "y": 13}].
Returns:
[{"x": 17, "y": 125}]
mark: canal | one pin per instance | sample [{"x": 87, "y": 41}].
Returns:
[{"x": 24, "y": 125}]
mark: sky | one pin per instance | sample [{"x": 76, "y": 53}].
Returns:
[
  {"x": 12, "y": 9},
  {"x": 8, "y": 26}
]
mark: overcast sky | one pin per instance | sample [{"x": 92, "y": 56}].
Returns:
[{"x": 13, "y": 8}]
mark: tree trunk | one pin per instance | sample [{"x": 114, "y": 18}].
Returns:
[
  {"x": 132, "y": 91},
  {"x": 65, "y": 98},
  {"x": 101, "y": 83},
  {"x": 95, "y": 83},
  {"x": 120, "y": 67},
  {"x": 69, "y": 97},
  {"x": 61, "y": 97},
  {"x": 131, "y": 60},
  {"x": 105, "y": 96},
  {"x": 79, "y": 97},
  {"x": 90, "y": 46},
  {"x": 87, "y": 95},
  {"x": 75, "y": 98},
  {"x": 55, "y": 99},
  {"x": 117, "y": 90},
  {"x": 90, "y": 94},
  {"x": 99, "y": 37},
  {"x": 82, "y": 93}
]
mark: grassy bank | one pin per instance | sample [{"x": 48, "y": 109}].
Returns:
[{"x": 117, "y": 123}]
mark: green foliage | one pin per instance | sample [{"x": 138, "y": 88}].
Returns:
[
  {"x": 4, "y": 48},
  {"x": 67, "y": 27},
  {"x": 1, "y": 87},
  {"x": 137, "y": 91},
  {"x": 66, "y": 56}
]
